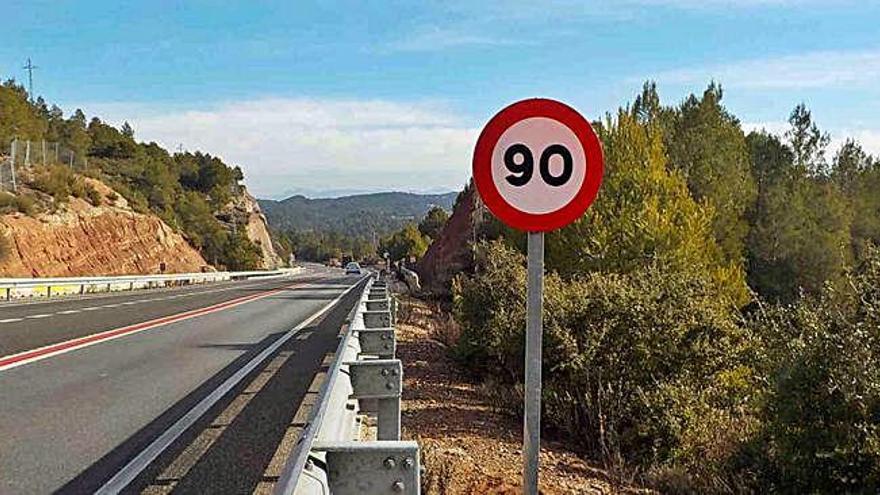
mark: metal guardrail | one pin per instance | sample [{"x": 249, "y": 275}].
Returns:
[
  {"x": 13, "y": 288},
  {"x": 332, "y": 455}
]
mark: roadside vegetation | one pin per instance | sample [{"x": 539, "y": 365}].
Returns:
[
  {"x": 712, "y": 324},
  {"x": 411, "y": 240},
  {"x": 184, "y": 189}
]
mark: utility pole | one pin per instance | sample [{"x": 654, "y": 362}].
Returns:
[{"x": 30, "y": 68}]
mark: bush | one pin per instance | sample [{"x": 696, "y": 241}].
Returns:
[
  {"x": 241, "y": 254},
  {"x": 57, "y": 181},
  {"x": 92, "y": 195},
  {"x": 10, "y": 203},
  {"x": 647, "y": 368},
  {"x": 822, "y": 402}
]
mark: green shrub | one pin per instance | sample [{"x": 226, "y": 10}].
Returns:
[
  {"x": 648, "y": 368},
  {"x": 822, "y": 403},
  {"x": 57, "y": 181},
  {"x": 10, "y": 203},
  {"x": 241, "y": 254},
  {"x": 92, "y": 195}
]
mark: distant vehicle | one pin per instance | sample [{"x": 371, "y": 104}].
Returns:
[{"x": 353, "y": 267}]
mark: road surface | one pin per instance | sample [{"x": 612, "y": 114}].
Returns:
[{"x": 88, "y": 383}]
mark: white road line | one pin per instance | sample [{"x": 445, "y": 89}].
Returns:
[
  {"x": 69, "y": 312},
  {"x": 91, "y": 308},
  {"x": 111, "y": 305},
  {"x": 131, "y": 470},
  {"x": 129, "y": 303},
  {"x": 34, "y": 317},
  {"x": 10, "y": 320}
]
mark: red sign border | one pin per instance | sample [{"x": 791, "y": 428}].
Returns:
[{"x": 482, "y": 164}]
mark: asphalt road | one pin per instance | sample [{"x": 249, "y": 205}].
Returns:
[{"x": 70, "y": 419}]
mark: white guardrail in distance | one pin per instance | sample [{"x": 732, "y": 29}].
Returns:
[
  {"x": 16, "y": 288},
  {"x": 334, "y": 454}
]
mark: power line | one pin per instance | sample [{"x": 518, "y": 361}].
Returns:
[{"x": 30, "y": 68}]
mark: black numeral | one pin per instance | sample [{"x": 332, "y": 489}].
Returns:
[{"x": 522, "y": 170}]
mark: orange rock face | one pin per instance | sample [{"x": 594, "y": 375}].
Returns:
[{"x": 87, "y": 240}]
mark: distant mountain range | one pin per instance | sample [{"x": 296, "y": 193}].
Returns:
[{"x": 358, "y": 215}]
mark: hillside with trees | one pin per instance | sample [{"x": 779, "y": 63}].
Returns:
[
  {"x": 362, "y": 226},
  {"x": 712, "y": 323},
  {"x": 362, "y": 215},
  {"x": 195, "y": 193}
]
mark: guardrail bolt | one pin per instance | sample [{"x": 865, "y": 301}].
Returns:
[
  {"x": 408, "y": 463},
  {"x": 393, "y": 372},
  {"x": 398, "y": 486},
  {"x": 385, "y": 371},
  {"x": 389, "y": 386},
  {"x": 389, "y": 463}
]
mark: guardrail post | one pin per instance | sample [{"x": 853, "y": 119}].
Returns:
[
  {"x": 379, "y": 305},
  {"x": 357, "y": 468},
  {"x": 377, "y": 319},
  {"x": 379, "y": 342},
  {"x": 380, "y": 379}
]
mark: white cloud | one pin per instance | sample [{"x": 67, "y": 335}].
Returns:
[
  {"x": 822, "y": 69},
  {"x": 436, "y": 38},
  {"x": 314, "y": 144}
]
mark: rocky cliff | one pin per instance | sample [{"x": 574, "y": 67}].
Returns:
[
  {"x": 83, "y": 239},
  {"x": 451, "y": 252},
  {"x": 245, "y": 212}
]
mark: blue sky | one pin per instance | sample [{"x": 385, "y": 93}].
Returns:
[{"x": 355, "y": 96}]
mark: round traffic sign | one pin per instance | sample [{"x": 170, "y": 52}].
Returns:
[{"x": 538, "y": 165}]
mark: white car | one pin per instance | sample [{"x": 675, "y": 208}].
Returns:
[{"x": 353, "y": 268}]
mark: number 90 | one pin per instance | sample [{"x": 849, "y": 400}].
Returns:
[{"x": 522, "y": 172}]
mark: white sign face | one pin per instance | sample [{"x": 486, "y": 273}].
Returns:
[{"x": 538, "y": 165}]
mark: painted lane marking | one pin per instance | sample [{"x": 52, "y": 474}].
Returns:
[
  {"x": 33, "y": 355},
  {"x": 35, "y": 317},
  {"x": 69, "y": 312},
  {"x": 131, "y": 470},
  {"x": 111, "y": 305},
  {"x": 10, "y": 320},
  {"x": 91, "y": 308}
]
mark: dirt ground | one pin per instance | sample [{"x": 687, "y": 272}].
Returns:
[{"x": 468, "y": 447}]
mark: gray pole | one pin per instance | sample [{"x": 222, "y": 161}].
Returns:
[
  {"x": 534, "y": 331},
  {"x": 12, "y": 164}
]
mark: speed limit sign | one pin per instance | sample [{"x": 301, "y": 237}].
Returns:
[{"x": 538, "y": 165}]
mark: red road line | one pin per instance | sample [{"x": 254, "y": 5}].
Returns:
[{"x": 14, "y": 360}]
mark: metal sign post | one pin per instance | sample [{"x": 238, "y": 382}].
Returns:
[
  {"x": 534, "y": 334},
  {"x": 537, "y": 166}
]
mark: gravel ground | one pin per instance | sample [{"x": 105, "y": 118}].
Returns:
[{"x": 468, "y": 446}]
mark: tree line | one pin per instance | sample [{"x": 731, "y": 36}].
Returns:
[
  {"x": 409, "y": 241},
  {"x": 713, "y": 321}
]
